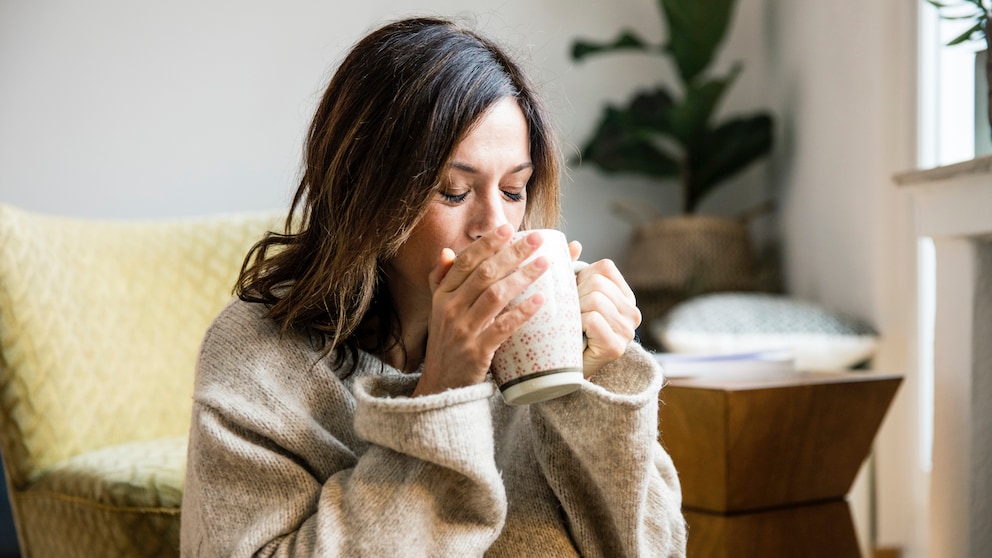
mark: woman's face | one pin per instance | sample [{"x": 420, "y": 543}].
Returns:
[{"x": 483, "y": 187}]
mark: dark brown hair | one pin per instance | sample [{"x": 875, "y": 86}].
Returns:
[{"x": 389, "y": 120}]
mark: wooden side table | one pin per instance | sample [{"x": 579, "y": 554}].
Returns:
[{"x": 766, "y": 460}]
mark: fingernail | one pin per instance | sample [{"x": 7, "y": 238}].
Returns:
[
  {"x": 541, "y": 263},
  {"x": 504, "y": 230},
  {"x": 534, "y": 239}
]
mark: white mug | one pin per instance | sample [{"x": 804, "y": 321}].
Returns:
[{"x": 543, "y": 359}]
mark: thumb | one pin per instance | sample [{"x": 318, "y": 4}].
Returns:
[
  {"x": 575, "y": 249},
  {"x": 444, "y": 262}
]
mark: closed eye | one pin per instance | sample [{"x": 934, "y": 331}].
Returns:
[
  {"x": 514, "y": 196},
  {"x": 454, "y": 198}
]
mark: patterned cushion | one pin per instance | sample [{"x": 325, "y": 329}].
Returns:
[
  {"x": 742, "y": 322},
  {"x": 146, "y": 474},
  {"x": 100, "y": 325}
]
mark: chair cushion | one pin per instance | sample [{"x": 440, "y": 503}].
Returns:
[
  {"x": 744, "y": 322},
  {"x": 146, "y": 474}
]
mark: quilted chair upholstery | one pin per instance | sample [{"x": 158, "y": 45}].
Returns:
[{"x": 100, "y": 325}]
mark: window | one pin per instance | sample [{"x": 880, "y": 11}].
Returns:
[{"x": 949, "y": 114}]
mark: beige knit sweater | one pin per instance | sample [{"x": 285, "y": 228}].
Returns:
[{"x": 290, "y": 457}]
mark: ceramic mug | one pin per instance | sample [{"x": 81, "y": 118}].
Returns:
[{"x": 543, "y": 359}]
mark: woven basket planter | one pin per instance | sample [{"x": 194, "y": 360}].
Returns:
[{"x": 674, "y": 258}]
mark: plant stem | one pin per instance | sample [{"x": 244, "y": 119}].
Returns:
[{"x": 684, "y": 183}]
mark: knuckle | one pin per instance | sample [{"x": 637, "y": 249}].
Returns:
[
  {"x": 494, "y": 294},
  {"x": 463, "y": 262},
  {"x": 487, "y": 271},
  {"x": 598, "y": 300},
  {"x": 503, "y": 327},
  {"x": 607, "y": 267},
  {"x": 449, "y": 313},
  {"x": 599, "y": 283},
  {"x": 462, "y": 331}
]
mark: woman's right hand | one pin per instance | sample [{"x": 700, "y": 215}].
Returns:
[{"x": 469, "y": 319}]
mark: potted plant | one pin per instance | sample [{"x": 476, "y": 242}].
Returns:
[
  {"x": 979, "y": 14},
  {"x": 673, "y": 136}
]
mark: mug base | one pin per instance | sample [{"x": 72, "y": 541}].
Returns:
[{"x": 541, "y": 386}]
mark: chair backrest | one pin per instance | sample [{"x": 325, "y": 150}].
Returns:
[{"x": 100, "y": 326}]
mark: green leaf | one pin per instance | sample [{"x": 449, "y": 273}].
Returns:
[
  {"x": 691, "y": 118},
  {"x": 967, "y": 35},
  {"x": 627, "y": 40},
  {"x": 695, "y": 30},
  {"x": 725, "y": 151},
  {"x": 650, "y": 111},
  {"x": 621, "y": 144}
]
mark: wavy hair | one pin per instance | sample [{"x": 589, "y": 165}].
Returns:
[{"x": 390, "y": 118}]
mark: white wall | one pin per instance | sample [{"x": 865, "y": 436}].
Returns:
[
  {"x": 845, "y": 79},
  {"x": 121, "y": 109}
]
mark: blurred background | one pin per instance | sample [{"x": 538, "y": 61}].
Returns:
[
  {"x": 137, "y": 109},
  {"x": 125, "y": 109}
]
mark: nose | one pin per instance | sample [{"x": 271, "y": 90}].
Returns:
[{"x": 487, "y": 213}]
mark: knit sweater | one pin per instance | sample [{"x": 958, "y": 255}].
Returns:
[{"x": 290, "y": 456}]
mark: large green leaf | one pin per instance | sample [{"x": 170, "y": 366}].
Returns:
[
  {"x": 623, "y": 143},
  {"x": 695, "y": 30},
  {"x": 691, "y": 117},
  {"x": 627, "y": 40},
  {"x": 650, "y": 111},
  {"x": 725, "y": 151}
]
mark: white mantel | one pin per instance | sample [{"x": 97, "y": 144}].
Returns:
[{"x": 953, "y": 207}]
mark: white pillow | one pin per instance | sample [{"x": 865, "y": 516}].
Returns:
[{"x": 741, "y": 322}]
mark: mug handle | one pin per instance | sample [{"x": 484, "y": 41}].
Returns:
[{"x": 577, "y": 266}]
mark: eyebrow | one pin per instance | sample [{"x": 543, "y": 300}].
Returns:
[{"x": 472, "y": 170}]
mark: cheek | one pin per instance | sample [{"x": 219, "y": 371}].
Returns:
[
  {"x": 433, "y": 233},
  {"x": 515, "y": 214}
]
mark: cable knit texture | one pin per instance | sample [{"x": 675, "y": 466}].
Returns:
[
  {"x": 289, "y": 456},
  {"x": 101, "y": 323}
]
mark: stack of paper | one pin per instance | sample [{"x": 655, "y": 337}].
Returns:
[{"x": 681, "y": 365}]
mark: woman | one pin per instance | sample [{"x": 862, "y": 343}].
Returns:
[{"x": 342, "y": 406}]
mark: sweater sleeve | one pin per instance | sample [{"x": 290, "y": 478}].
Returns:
[
  {"x": 599, "y": 450},
  {"x": 272, "y": 472}
]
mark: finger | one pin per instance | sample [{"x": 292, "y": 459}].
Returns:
[
  {"x": 495, "y": 298},
  {"x": 445, "y": 260},
  {"x": 468, "y": 260},
  {"x": 621, "y": 316},
  {"x": 604, "y": 345},
  {"x": 596, "y": 282},
  {"x": 490, "y": 286},
  {"x": 609, "y": 270},
  {"x": 504, "y": 262},
  {"x": 505, "y": 324},
  {"x": 575, "y": 249}
]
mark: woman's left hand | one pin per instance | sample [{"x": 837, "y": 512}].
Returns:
[{"x": 609, "y": 312}]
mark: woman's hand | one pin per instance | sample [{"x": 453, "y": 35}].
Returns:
[
  {"x": 609, "y": 312},
  {"x": 470, "y": 292}
]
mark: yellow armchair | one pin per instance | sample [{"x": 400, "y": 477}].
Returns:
[{"x": 100, "y": 325}]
